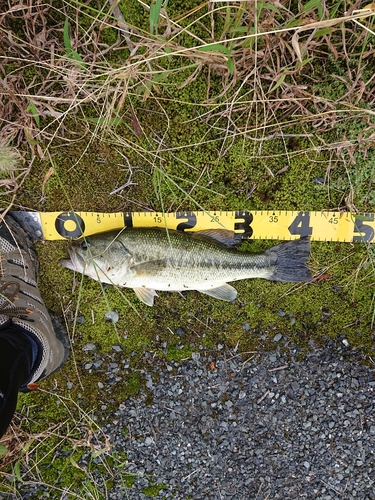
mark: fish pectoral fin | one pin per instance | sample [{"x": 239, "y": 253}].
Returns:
[
  {"x": 223, "y": 292},
  {"x": 224, "y": 237},
  {"x": 146, "y": 295},
  {"x": 149, "y": 268}
]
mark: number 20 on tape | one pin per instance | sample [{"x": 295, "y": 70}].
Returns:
[{"x": 275, "y": 225}]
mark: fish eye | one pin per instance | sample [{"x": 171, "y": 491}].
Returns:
[{"x": 85, "y": 245}]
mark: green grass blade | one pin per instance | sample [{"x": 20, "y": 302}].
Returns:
[
  {"x": 279, "y": 82},
  {"x": 17, "y": 471},
  {"x": 32, "y": 108},
  {"x": 68, "y": 46},
  {"x": 155, "y": 16},
  {"x": 230, "y": 64},
  {"x": 311, "y": 5},
  {"x": 70, "y": 52},
  {"x": 215, "y": 47}
]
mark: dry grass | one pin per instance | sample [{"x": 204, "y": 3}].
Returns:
[
  {"x": 12, "y": 171},
  {"x": 55, "y": 74},
  {"x": 14, "y": 442},
  {"x": 26, "y": 451}
]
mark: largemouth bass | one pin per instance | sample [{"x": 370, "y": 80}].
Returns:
[{"x": 155, "y": 259}]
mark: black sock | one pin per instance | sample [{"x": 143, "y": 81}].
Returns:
[{"x": 15, "y": 370}]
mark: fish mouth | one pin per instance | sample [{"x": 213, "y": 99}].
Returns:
[{"x": 76, "y": 262}]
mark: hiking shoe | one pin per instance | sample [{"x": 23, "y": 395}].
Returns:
[{"x": 21, "y": 305}]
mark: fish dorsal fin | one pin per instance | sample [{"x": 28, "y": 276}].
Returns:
[
  {"x": 223, "y": 237},
  {"x": 146, "y": 295},
  {"x": 223, "y": 292},
  {"x": 149, "y": 268}
]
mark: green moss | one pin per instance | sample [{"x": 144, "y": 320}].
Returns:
[
  {"x": 133, "y": 385},
  {"x": 134, "y": 14},
  {"x": 128, "y": 480},
  {"x": 154, "y": 490},
  {"x": 178, "y": 352}
]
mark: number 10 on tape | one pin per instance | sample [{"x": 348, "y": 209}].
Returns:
[{"x": 275, "y": 225}]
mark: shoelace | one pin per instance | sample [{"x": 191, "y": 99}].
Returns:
[{"x": 8, "y": 294}]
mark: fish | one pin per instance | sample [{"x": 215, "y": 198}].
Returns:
[{"x": 155, "y": 259}]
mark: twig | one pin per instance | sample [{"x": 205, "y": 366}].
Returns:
[
  {"x": 278, "y": 368},
  {"x": 264, "y": 396}
]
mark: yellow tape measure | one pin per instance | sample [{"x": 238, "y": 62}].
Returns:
[{"x": 268, "y": 224}]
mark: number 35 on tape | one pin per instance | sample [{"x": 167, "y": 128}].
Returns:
[{"x": 275, "y": 225}]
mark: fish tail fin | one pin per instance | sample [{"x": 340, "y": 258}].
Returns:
[{"x": 290, "y": 261}]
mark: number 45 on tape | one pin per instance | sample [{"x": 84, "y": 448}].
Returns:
[{"x": 268, "y": 224}]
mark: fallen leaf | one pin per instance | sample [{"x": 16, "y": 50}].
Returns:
[{"x": 50, "y": 172}]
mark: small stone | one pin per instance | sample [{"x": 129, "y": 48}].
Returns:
[
  {"x": 89, "y": 347},
  {"x": 318, "y": 180},
  {"x": 112, "y": 316},
  {"x": 277, "y": 337}
]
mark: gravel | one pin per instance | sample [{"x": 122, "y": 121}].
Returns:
[
  {"x": 265, "y": 426},
  {"x": 273, "y": 425}
]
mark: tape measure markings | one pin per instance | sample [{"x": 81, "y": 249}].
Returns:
[{"x": 262, "y": 224}]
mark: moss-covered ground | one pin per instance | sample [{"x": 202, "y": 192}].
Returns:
[{"x": 292, "y": 170}]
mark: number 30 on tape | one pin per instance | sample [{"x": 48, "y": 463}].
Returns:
[{"x": 275, "y": 224}]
